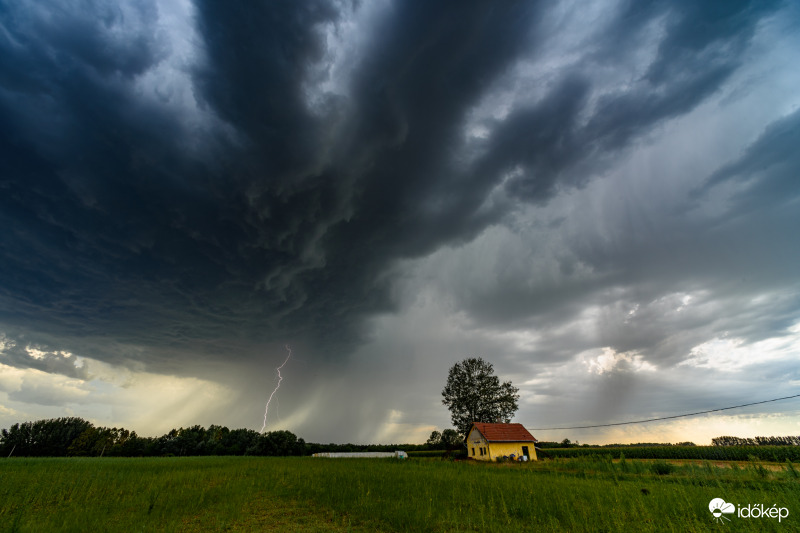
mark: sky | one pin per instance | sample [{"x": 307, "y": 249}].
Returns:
[{"x": 602, "y": 199}]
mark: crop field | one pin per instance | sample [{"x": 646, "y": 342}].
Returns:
[
  {"x": 778, "y": 454},
  {"x": 592, "y": 493}
]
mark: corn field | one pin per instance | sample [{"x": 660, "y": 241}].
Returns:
[{"x": 779, "y": 454}]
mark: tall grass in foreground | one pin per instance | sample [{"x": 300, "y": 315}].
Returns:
[{"x": 255, "y": 494}]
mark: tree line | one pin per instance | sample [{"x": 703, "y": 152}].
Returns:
[
  {"x": 757, "y": 441},
  {"x": 566, "y": 443},
  {"x": 76, "y": 437}
]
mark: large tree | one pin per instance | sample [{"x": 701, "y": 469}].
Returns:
[{"x": 474, "y": 394}]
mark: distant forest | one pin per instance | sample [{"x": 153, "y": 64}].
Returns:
[{"x": 76, "y": 437}]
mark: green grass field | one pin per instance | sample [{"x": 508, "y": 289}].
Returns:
[{"x": 307, "y": 494}]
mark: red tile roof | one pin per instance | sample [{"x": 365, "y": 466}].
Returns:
[{"x": 504, "y": 432}]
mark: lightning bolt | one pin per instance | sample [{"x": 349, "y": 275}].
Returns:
[{"x": 278, "y": 386}]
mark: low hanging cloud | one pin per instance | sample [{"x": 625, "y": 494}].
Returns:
[{"x": 184, "y": 188}]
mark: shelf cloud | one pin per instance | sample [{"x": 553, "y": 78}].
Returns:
[{"x": 591, "y": 198}]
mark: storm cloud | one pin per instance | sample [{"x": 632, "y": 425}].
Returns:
[{"x": 586, "y": 197}]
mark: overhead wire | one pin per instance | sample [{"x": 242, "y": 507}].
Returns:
[{"x": 667, "y": 417}]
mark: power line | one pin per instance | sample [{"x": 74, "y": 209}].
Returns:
[{"x": 668, "y": 417}]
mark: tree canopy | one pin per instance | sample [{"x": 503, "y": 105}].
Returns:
[
  {"x": 474, "y": 394},
  {"x": 447, "y": 439}
]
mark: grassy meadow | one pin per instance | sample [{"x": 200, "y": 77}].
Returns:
[{"x": 307, "y": 494}]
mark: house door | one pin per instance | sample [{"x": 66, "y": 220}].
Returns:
[{"x": 525, "y": 452}]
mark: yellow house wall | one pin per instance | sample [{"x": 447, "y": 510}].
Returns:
[
  {"x": 499, "y": 449},
  {"x": 475, "y": 441}
]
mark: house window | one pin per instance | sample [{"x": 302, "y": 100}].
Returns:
[{"x": 473, "y": 452}]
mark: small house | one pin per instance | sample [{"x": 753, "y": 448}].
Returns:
[{"x": 487, "y": 442}]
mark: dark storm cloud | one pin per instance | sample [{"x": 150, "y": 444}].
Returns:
[
  {"x": 768, "y": 170},
  {"x": 259, "y": 56},
  {"x": 39, "y": 39},
  {"x": 124, "y": 223},
  {"x": 701, "y": 48},
  {"x": 108, "y": 225},
  {"x": 430, "y": 65}
]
